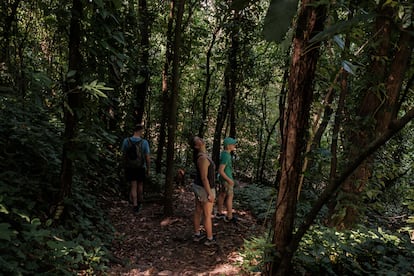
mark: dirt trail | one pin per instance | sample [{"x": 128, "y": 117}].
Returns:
[{"x": 150, "y": 244}]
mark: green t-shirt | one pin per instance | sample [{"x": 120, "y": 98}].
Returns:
[{"x": 225, "y": 159}]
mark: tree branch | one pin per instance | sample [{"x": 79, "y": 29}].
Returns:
[{"x": 393, "y": 129}]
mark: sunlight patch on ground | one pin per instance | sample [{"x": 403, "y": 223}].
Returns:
[{"x": 224, "y": 269}]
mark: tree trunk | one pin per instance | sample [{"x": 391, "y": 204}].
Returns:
[
  {"x": 269, "y": 134},
  {"x": 379, "y": 107},
  {"x": 172, "y": 122},
  {"x": 231, "y": 81},
  {"x": 73, "y": 100},
  {"x": 393, "y": 129},
  {"x": 143, "y": 71},
  {"x": 302, "y": 71},
  {"x": 10, "y": 12},
  {"x": 220, "y": 120},
  {"x": 165, "y": 91},
  {"x": 209, "y": 73}
]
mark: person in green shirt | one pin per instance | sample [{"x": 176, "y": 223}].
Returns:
[{"x": 226, "y": 181}]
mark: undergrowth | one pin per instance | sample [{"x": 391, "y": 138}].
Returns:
[
  {"x": 325, "y": 251},
  {"x": 32, "y": 240}
]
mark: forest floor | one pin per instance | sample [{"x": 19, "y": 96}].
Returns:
[{"x": 149, "y": 244}]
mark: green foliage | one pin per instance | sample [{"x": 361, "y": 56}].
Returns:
[
  {"x": 363, "y": 251},
  {"x": 258, "y": 199},
  {"x": 95, "y": 89},
  {"x": 253, "y": 253},
  {"x": 279, "y": 19},
  {"x": 325, "y": 251},
  {"x": 31, "y": 241}
]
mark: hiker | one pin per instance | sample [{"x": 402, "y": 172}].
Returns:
[
  {"x": 204, "y": 191},
  {"x": 136, "y": 174},
  {"x": 226, "y": 181}
]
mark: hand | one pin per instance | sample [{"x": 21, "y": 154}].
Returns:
[{"x": 210, "y": 198}]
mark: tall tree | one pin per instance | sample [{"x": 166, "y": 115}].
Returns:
[
  {"x": 300, "y": 94},
  {"x": 73, "y": 99},
  {"x": 391, "y": 56},
  {"x": 209, "y": 73},
  {"x": 143, "y": 78},
  {"x": 8, "y": 12},
  {"x": 172, "y": 119},
  {"x": 231, "y": 83},
  {"x": 165, "y": 95}
]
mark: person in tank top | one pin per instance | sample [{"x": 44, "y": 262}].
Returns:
[{"x": 204, "y": 191}]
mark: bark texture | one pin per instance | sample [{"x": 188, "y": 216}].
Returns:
[
  {"x": 296, "y": 123},
  {"x": 172, "y": 121},
  {"x": 378, "y": 108}
]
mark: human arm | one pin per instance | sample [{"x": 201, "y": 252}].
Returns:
[
  {"x": 224, "y": 175},
  {"x": 147, "y": 156},
  {"x": 124, "y": 145}
]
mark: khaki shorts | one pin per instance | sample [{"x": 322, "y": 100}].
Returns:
[
  {"x": 201, "y": 194},
  {"x": 225, "y": 188}
]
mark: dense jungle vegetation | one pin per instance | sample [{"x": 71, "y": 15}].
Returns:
[{"x": 318, "y": 93}]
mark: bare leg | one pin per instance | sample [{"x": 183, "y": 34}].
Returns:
[
  {"x": 207, "y": 208},
  {"x": 197, "y": 216},
  {"x": 229, "y": 205},
  {"x": 133, "y": 193},
  {"x": 220, "y": 202},
  {"x": 140, "y": 192}
]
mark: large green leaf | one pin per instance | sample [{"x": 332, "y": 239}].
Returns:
[{"x": 279, "y": 18}]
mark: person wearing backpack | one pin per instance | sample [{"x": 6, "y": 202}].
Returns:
[
  {"x": 204, "y": 191},
  {"x": 136, "y": 154}
]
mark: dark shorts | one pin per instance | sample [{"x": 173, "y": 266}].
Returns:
[{"x": 132, "y": 174}]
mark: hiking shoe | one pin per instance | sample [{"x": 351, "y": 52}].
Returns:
[
  {"x": 233, "y": 219},
  {"x": 220, "y": 216},
  {"x": 199, "y": 237},
  {"x": 137, "y": 208},
  {"x": 209, "y": 242}
]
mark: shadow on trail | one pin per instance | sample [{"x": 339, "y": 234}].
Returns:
[{"x": 149, "y": 244}]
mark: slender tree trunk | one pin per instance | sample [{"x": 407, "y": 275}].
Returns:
[
  {"x": 302, "y": 72},
  {"x": 143, "y": 71},
  {"x": 209, "y": 73},
  {"x": 172, "y": 122},
  {"x": 231, "y": 81},
  {"x": 221, "y": 118},
  {"x": 317, "y": 130},
  {"x": 269, "y": 134},
  {"x": 282, "y": 107},
  {"x": 339, "y": 114},
  {"x": 234, "y": 70},
  {"x": 260, "y": 135},
  {"x": 73, "y": 100},
  {"x": 10, "y": 12},
  {"x": 165, "y": 91}
]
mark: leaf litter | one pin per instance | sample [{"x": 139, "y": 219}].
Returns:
[{"x": 148, "y": 243}]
